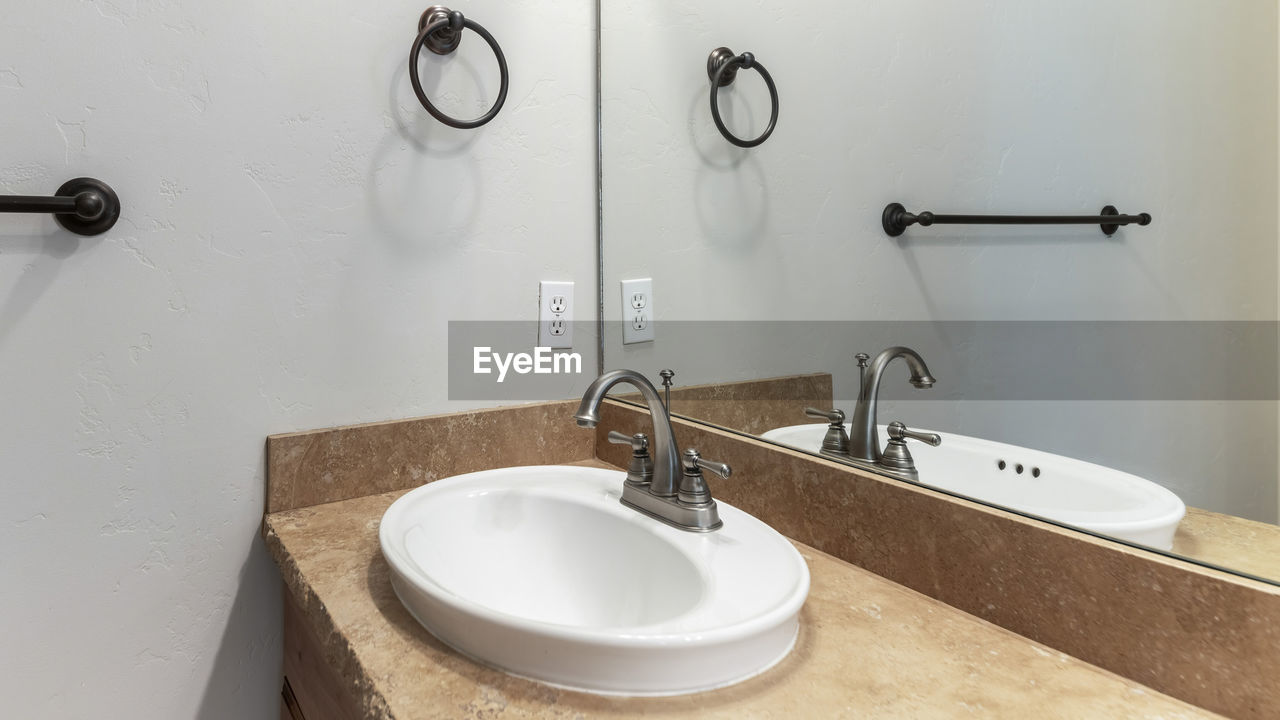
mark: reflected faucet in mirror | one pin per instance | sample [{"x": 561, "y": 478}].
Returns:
[
  {"x": 864, "y": 441},
  {"x": 860, "y": 444}
]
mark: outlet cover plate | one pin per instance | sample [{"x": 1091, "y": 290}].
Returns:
[
  {"x": 637, "y": 311},
  {"x": 555, "y": 314}
]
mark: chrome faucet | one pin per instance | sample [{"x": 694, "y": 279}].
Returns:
[
  {"x": 864, "y": 441},
  {"x": 684, "y": 503},
  {"x": 666, "y": 455}
]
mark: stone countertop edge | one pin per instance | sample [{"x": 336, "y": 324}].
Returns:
[{"x": 868, "y": 647}]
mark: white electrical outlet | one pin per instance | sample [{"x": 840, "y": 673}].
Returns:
[
  {"x": 555, "y": 314},
  {"x": 637, "y": 311}
]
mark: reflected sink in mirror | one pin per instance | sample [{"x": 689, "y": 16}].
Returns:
[
  {"x": 543, "y": 573},
  {"x": 1069, "y": 491},
  {"x": 772, "y": 263}
]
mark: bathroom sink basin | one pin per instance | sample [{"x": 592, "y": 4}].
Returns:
[
  {"x": 541, "y": 572},
  {"x": 1069, "y": 491}
]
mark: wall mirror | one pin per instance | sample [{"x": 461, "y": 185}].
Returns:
[{"x": 1075, "y": 370}]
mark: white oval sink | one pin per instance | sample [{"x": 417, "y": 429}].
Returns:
[
  {"x": 1059, "y": 488},
  {"x": 541, "y": 572}
]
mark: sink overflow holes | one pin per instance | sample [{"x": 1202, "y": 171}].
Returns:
[{"x": 1017, "y": 468}]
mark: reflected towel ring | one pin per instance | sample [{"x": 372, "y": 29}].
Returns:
[
  {"x": 440, "y": 31},
  {"x": 722, "y": 68}
]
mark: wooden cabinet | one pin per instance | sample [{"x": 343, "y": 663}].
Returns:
[{"x": 311, "y": 689}]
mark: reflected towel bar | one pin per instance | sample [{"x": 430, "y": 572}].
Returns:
[
  {"x": 896, "y": 219},
  {"x": 84, "y": 206}
]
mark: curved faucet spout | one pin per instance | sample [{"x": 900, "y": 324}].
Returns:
[
  {"x": 864, "y": 441},
  {"x": 666, "y": 460}
]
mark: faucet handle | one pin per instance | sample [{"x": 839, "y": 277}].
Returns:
[
  {"x": 693, "y": 460},
  {"x": 898, "y": 431},
  {"x": 897, "y": 457},
  {"x": 835, "y": 417},
  {"x": 693, "y": 488},
  {"x": 640, "y": 471},
  {"x": 639, "y": 442},
  {"x": 836, "y": 441}
]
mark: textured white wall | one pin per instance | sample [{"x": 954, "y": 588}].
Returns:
[
  {"x": 296, "y": 234},
  {"x": 1006, "y": 106}
]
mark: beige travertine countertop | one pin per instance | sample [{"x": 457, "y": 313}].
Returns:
[
  {"x": 867, "y": 648},
  {"x": 1230, "y": 542}
]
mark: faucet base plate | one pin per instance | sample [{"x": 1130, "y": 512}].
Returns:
[
  {"x": 878, "y": 468},
  {"x": 702, "y": 519}
]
